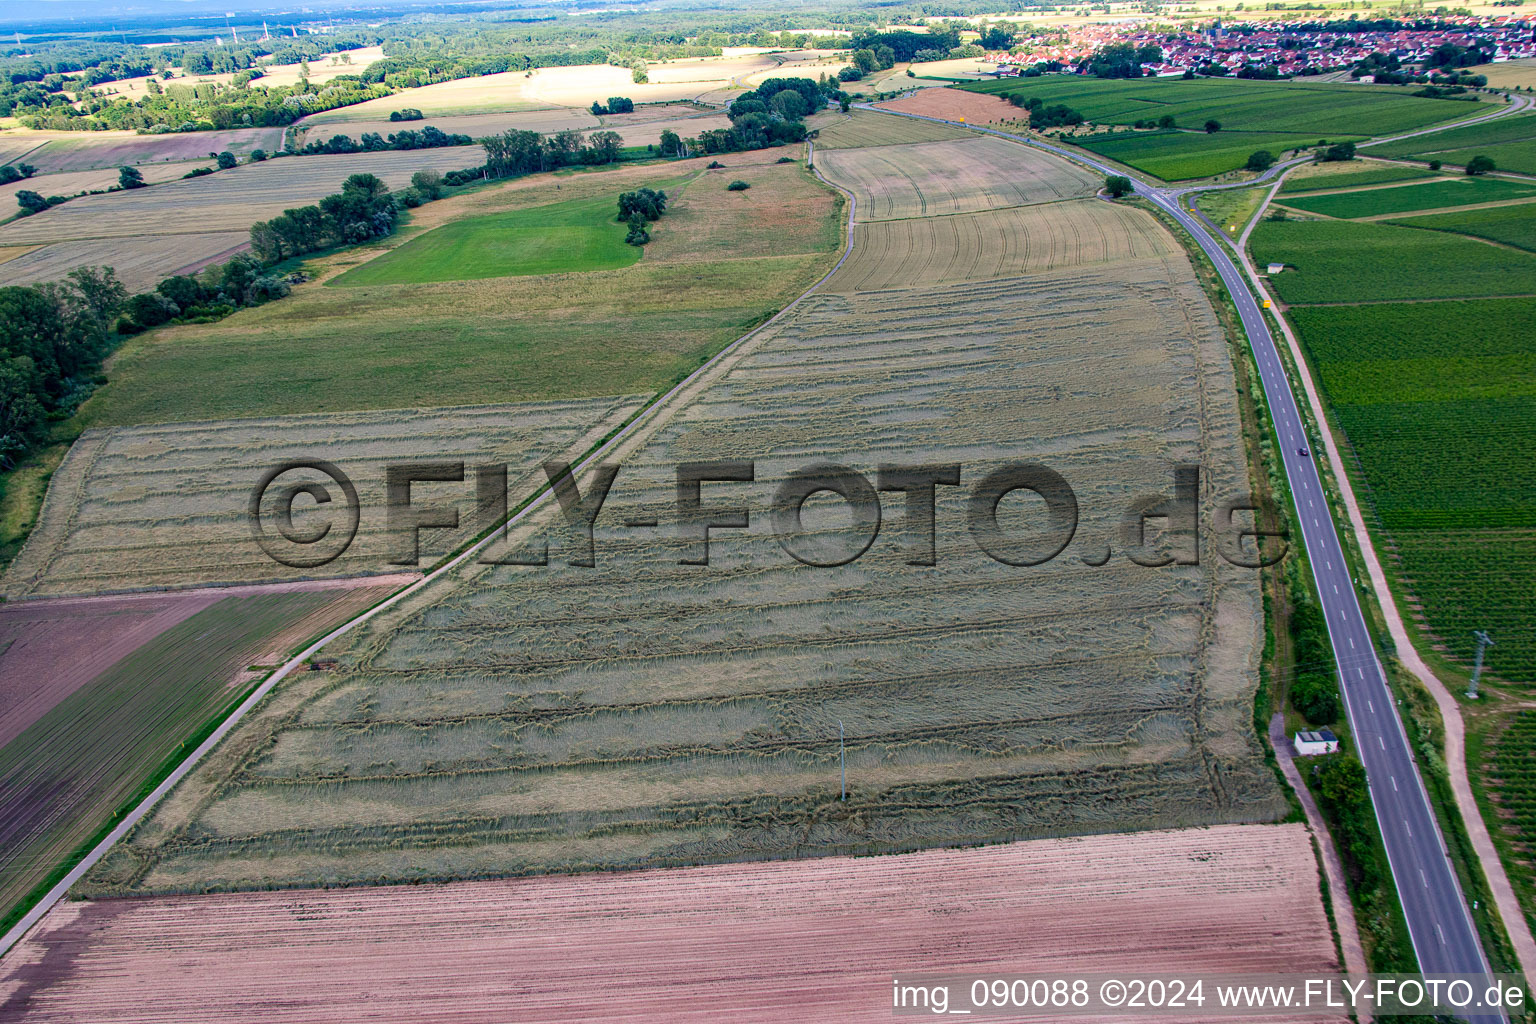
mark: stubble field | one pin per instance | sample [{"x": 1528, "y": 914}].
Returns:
[
  {"x": 57, "y": 152},
  {"x": 747, "y": 943},
  {"x": 858, "y": 129},
  {"x": 645, "y": 712},
  {"x": 166, "y": 505},
  {"x": 956, "y": 105},
  {"x": 965, "y": 176}
]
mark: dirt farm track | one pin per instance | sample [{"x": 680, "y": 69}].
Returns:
[{"x": 816, "y": 940}]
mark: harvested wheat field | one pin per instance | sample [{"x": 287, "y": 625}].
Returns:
[
  {"x": 937, "y": 178},
  {"x": 85, "y": 151},
  {"x": 483, "y": 94},
  {"x": 474, "y": 125},
  {"x": 69, "y": 183},
  {"x": 647, "y": 712},
  {"x": 810, "y": 940},
  {"x": 150, "y": 233},
  {"x": 140, "y": 262},
  {"x": 167, "y": 505},
  {"x": 860, "y": 128},
  {"x": 1003, "y": 243},
  {"x": 648, "y": 132},
  {"x": 955, "y": 105},
  {"x": 707, "y": 222}
]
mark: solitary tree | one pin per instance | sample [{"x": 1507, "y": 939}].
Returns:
[
  {"x": 129, "y": 177},
  {"x": 1118, "y": 185},
  {"x": 1480, "y": 165},
  {"x": 1261, "y": 160},
  {"x": 226, "y": 160},
  {"x": 1212, "y": 126},
  {"x": 1166, "y": 121}
]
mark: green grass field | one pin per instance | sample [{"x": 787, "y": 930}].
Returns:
[
  {"x": 561, "y": 238},
  {"x": 1342, "y": 261},
  {"x": 1321, "y": 176},
  {"x": 1231, "y": 208},
  {"x": 1405, "y": 198},
  {"x": 1180, "y": 156},
  {"x": 1432, "y": 397},
  {"x": 713, "y": 270},
  {"x": 1510, "y": 141},
  {"x": 1320, "y": 110},
  {"x": 66, "y": 775},
  {"x": 1512, "y": 225}
]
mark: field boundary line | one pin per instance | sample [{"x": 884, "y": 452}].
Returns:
[
  {"x": 652, "y": 415},
  {"x": 1514, "y": 920}
]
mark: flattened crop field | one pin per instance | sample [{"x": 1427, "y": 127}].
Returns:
[
  {"x": 965, "y": 176},
  {"x": 749, "y": 943},
  {"x": 167, "y": 505},
  {"x": 647, "y": 711}
]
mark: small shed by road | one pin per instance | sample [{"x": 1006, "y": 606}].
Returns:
[
  {"x": 1275, "y": 268},
  {"x": 1312, "y": 743}
]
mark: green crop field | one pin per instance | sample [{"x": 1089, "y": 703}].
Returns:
[
  {"x": 1438, "y": 402},
  {"x": 1512, "y": 225},
  {"x": 1179, "y": 156},
  {"x": 1510, "y": 141},
  {"x": 1434, "y": 195},
  {"x": 67, "y": 774},
  {"x": 1340, "y": 261},
  {"x": 568, "y": 237},
  {"x": 711, "y": 273},
  {"x": 1336, "y": 175},
  {"x": 1319, "y": 110},
  {"x": 1509, "y": 773}
]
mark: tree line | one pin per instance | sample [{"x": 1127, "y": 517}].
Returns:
[
  {"x": 363, "y": 209},
  {"x": 372, "y": 142}
]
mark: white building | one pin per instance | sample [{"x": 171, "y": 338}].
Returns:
[{"x": 1321, "y": 741}]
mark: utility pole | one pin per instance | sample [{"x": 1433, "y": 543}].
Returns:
[
  {"x": 1484, "y": 641},
  {"x": 842, "y": 757}
]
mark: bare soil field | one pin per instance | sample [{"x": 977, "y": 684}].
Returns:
[
  {"x": 937, "y": 178},
  {"x": 1002, "y": 243},
  {"x": 65, "y": 775},
  {"x": 49, "y": 649},
  {"x": 860, "y": 128},
  {"x": 647, "y": 712},
  {"x": 167, "y": 505},
  {"x": 809, "y": 940},
  {"x": 954, "y": 105},
  {"x": 140, "y": 262},
  {"x": 157, "y": 231},
  {"x": 648, "y": 133},
  {"x": 474, "y": 125},
  {"x": 84, "y": 151}
]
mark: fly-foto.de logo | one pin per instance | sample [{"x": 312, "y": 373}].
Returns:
[{"x": 1153, "y": 531}]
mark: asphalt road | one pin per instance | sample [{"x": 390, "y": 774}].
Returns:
[{"x": 1439, "y": 921}]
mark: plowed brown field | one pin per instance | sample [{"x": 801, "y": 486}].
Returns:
[
  {"x": 954, "y": 105},
  {"x": 808, "y": 941}
]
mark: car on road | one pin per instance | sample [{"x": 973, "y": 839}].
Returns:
[{"x": 1303, "y": 450}]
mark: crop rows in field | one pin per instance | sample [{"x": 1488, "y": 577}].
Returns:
[
  {"x": 1225, "y": 899},
  {"x": 1509, "y": 771},
  {"x": 513, "y": 720},
  {"x": 1317, "y": 110},
  {"x": 937, "y": 178},
  {"x": 66, "y": 773},
  {"x": 860, "y": 128},
  {"x": 1442, "y": 419},
  {"x": 1314, "y": 177},
  {"x": 1337, "y": 261},
  {"x": 82, "y": 151},
  {"x": 140, "y": 263},
  {"x": 1510, "y": 141},
  {"x": 1180, "y": 156},
  {"x": 1433, "y": 195},
  {"x": 167, "y": 504},
  {"x": 1511, "y": 225},
  {"x": 931, "y": 251}
]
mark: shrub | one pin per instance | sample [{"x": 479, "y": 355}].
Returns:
[
  {"x": 785, "y": 160},
  {"x": 31, "y": 202},
  {"x": 639, "y": 234},
  {"x": 1316, "y": 696},
  {"x": 738, "y": 186},
  {"x": 428, "y": 184},
  {"x": 1434, "y": 165},
  {"x": 226, "y": 160},
  {"x": 1261, "y": 160},
  {"x": 1212, "y": 126},
  {"x": 713, "y": 165},
  {"x": 258, "y": 155},
  {"x": 150, "y": 309},
  {"x": 129, "y": 177}
]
